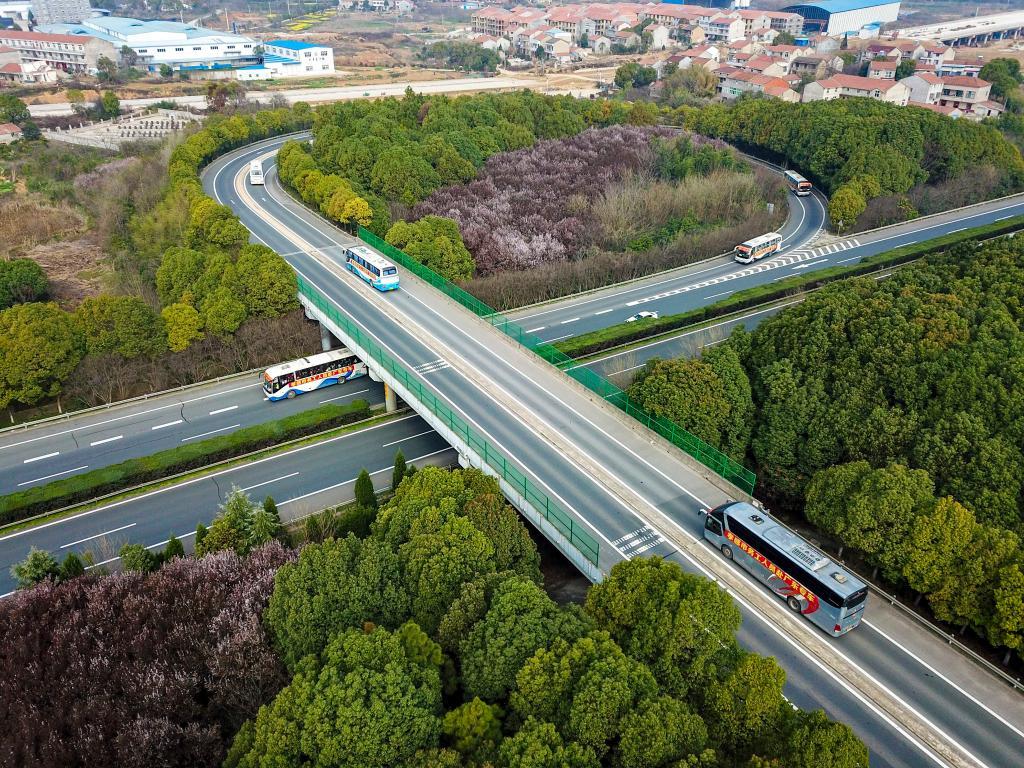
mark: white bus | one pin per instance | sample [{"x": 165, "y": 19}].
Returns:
[
  {"x": 372, "y": 267},
  {"x": 256, "y": 172},
  {"x": 309, "y": 373},
  {"x": 798, "y": 184},
  {"x": 758, "y": 248}
]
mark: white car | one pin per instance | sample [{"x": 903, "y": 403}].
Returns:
[{"x": 642, "y": 316}]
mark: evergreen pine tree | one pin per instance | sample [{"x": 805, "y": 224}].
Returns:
[
  {"x": 398, "y": 475},
  {"x": 365, "y": 495},
  {"x": 174, "y": 549},
  {"x": 71, "y": 567}
]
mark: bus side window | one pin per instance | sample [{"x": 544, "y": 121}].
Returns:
[{"x": 713, "y": 525}]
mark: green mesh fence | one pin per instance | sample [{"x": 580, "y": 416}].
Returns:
[
  {"x": 707, "y": 455},
  {"x": 494, "y": 458}
]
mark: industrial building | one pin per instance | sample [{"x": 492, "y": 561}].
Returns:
[
  {"x": 290, "y": 58},
  {"x": 842, "y": 17},
  {"x": 179, "y": 46}
]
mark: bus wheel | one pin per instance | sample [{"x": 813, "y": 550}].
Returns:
[
  {"x": 794, "y": 604},
  {"x": 727, "y": 551},
  {"x": 291, "y": 394}
]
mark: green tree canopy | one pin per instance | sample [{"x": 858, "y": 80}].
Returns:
[
  {"x": 40, "y": 346},
  {"x": 331, "y": 587},
  {"x": 435, "y": 242},
  {"x": 125, "y": 325},
  {"x": 678, "y": 624},
  {"x": 21, "y": 280},
  {"x": 372, "y": 700}
]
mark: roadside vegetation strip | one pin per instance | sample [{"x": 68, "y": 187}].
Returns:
[
  {"x": 15, "y": 507},
  {"x": 642, "y": 330}
]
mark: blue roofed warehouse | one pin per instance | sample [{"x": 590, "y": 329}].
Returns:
[{"x": 838, "y": 17}]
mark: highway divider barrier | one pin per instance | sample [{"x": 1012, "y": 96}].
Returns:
[
  {"x": 616, "y": 335},
  {"x": 194, "y": 455},
  {"x": 493, "y": 457},
  {"x": 706, "y": 454}
]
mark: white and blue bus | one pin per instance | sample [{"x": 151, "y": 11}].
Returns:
[
  {"x": 256, "y": 172},
  {"x": 309, "y": 373},
  {"x": 372, "y": 267},
  {"x": 798, "y": 185},
  {"x": 811, "y": 582}
]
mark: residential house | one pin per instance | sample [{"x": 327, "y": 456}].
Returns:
[
  {"x": 925, "y": 87},
  {"x": 659, "y": 36},
  {"x": 673, "y": 15},
  {"x": 948, "y": 111},
  {"x": 9, "y": 132},
  {"x": 965, "y": 93},
  {"x": 785, "y": 52},
  {"x": 70, "y": 53},
  {"x": 936, "y": 54},
  {"x": 690, "y": 35},
  {"x": 850, "y": 86},
  {"x": 627, "y": 38},
  {"x": 945, "y": 69},
  {"x": 737, "y": 82},
  {"x": 883, "y": 69},
  {"x": 766, "y": 65},
  {"x": 754, "y": 22},
  {"x": 724, "y": 27},
  {"x": 600, "y": 45},
  {"x": 781, "y": 21},
  {"x": 815, "y": 65}
]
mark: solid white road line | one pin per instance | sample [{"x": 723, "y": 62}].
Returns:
[
  {"x": 410, "y": 437},
  {"x": 268, "y": 482},
  {"x": 167, "y": 424},
  {"x": 55, "y": 474},
  {"x": 94, "y": 443},
  {"x": 852, "y": 258},
  {"x": 211, "y": 432},
  {"x": 40, "y": 458},
  {"x": 96, "y": 536},
  {"x": 346, "y": 482},
  {"x": 686, "y": 533},
  {"x": 223, "y": 410},
  {"x": 557, "y": 338},
  {"x": 199, "y": 479},
  {"x": 961, "y": 229},
  {"x": 716, "y": 295},
  {"x": 176, "y": 404},
  {"x": 342, "y": 397}
]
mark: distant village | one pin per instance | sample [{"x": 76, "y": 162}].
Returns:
[{"x": 802, "y": 53}]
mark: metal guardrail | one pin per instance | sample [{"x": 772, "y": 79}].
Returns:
[
  {"x": 706, "y": 454},
  {"x": 137, "y": 399},
  {"x": 491, "y": 456}
]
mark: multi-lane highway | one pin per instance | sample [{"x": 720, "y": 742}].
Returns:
[
  {"x": 61, "y": 448},
  {"x": 711, "y": 281},
  {"x": 553, "y": 440},
  {"x": 301, "y": 480},
  {"x": 551, "y": 435}
]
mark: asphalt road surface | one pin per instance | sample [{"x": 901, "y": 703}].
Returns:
[
  {"x": 56, "y": 449},
  {"x": 711, "y": 281},
  {"x": 301, "y": 480},
  {"x": 959, "y": 702}
]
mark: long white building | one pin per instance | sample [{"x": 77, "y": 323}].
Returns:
[{"x": 179, "y": 46}]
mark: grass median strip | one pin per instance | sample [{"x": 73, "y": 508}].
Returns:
[
  {"x": 126, "y": 474},
  {"x": 624, "y": 333}
]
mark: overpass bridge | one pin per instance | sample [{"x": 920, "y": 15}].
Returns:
[{"x": 604, "y": 488}]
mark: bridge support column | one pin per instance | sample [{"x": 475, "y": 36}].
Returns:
[
  {"x": 326, "y": 338},
  {"x": 390, "y": 401}
]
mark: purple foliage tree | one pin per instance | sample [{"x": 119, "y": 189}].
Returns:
[
  {"x": 529, "y": 207},
  {"x": 138, "y": 670}
]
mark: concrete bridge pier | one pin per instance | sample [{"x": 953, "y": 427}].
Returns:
[
  {"x": 326, "y": 338},
  {"x": 390, "y": 401}
]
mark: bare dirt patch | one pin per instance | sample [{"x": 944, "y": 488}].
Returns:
[
  {"x": 27, "y": 220},
  {"x": 75, "y": 269}
]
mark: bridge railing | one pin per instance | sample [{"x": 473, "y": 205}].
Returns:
[
  {"x": 493, "y": 457},
  {"x": 706, "y": 454}
]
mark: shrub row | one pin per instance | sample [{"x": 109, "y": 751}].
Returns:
[
  {"x": 623, "y": 333},
  {"x": 61, "y": 493}
]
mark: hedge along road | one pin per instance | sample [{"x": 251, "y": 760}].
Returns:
[
  {"x": 301, "y": 480},
  {"x": 60, "y": 448},
  {"x": 959, "y": 712},
  {"x": 712, "y": 281}
]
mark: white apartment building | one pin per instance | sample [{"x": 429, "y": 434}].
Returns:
[{"x": 724, "y": 28}]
